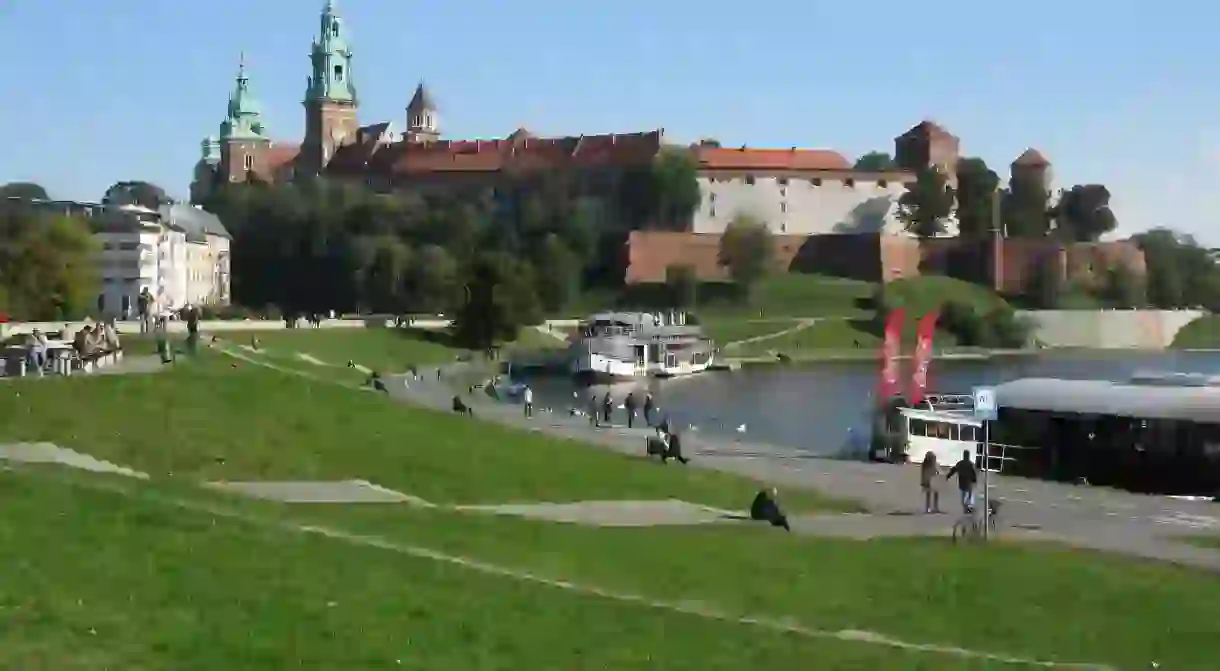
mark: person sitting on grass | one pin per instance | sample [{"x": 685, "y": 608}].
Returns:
[
  {"x": 376, "y": 382},
  {"x": 765, "y": 508}
]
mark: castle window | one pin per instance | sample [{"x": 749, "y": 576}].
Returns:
[
  {"x": 750, "y": 180},
  {"x": 713, "y": 211},
  {"x": 816, "y": 181},
  {"x": 849, "y": 183},
  {"x": 248, "y": 161},
  {"x": 783, "y": 228},
  {"x": 338, "y": 73},
  {"x": 711, "y": 197},
  {"x": 783, "y": 207}
]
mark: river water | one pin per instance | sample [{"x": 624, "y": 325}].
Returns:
[{"x": 814, "y": 407}]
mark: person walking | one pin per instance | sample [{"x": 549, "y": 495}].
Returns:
[
  {"x": 928, "y": 470},
  {"x": 527, "y": 397},
  {"x": 629, "y": 404},
  {"x": 607, "y": 407},
  {"x": 967, "y": 476},
  {"x": 648, "y": 407}
]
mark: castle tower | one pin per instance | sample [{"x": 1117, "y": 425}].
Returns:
[
  {"x": 423, "y": 123},
  {"x": 243, "y": 140},
  {"x": 1032, "y": 167},
  {"x": 330, "y": 94},
  {"x": 927, "y": 144}
]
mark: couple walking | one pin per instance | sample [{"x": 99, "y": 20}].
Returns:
[{"x": 967, "y": 477}]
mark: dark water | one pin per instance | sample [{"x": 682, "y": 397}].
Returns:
[{"x": 812, "y": 407}]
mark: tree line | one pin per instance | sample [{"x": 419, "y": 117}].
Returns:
[
  {"x": 494, "y": 257},
  {"x": 47, "y": 260}
]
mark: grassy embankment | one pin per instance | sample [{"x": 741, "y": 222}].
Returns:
[
  {"x": 813, "y": 317},
  {"x": 1202, "y": 333},
  {"x": 169, "y": 587}
]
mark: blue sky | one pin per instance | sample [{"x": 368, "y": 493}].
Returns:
[{"x": 1122, "y": 92}]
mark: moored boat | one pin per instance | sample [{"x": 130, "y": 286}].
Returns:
[{"x": 616, "y": 346}]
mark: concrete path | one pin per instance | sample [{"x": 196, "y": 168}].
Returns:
[
  {"x": 801, "y": 325},
  {"x": 1090, "y": 517},
  {"x": 1087, "y": 517}
]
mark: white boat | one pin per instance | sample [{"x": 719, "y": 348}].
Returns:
[{"x": 615, "y": 346}]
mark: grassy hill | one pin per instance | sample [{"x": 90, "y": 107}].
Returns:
[{"x": 1202, "y": 333}]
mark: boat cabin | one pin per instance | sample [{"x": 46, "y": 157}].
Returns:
[
  {"x": 1154, "y": 433},
  {"x": 945, "y": 433}
]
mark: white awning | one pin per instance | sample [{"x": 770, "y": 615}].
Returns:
[{"x": 1099, "y": 397}]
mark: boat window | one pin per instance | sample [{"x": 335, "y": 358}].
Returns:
[
  {"x": 969, "y": 433},
  {"x": 919, "y": 427}
]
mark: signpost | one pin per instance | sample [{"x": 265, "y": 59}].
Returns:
[{"x": 985, "y": 410}]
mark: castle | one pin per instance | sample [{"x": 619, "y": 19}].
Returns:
[{"x": 797, "y": 192}]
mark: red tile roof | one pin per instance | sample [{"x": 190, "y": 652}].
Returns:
[
  {"x": 519, "y": 152},
  {"x": 280, "y": 154},
  {"x": 719, "y": 158}
]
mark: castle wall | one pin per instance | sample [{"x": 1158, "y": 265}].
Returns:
[{"x": 830, "y": 202}]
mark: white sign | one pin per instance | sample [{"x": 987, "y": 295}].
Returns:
[{"x": 984, "y": 403}]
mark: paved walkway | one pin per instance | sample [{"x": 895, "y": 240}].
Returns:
[
  {"x": 1090, "y": 517},
  {"x": 801, "y": 325}
]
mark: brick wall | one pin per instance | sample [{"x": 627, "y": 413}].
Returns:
[{"x": 1006, "y": 265}]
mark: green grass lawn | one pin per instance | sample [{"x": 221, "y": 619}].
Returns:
[
  {"x": 384, "y": 349},
  {"x": 726, "y": 331},
  {"x": 827, "y": 335},
  {"x": 1202, "y": 333},
  {"x": 98, "y": 580},
  {"x": 102, "y": 580},
  {"x": 211, "y": 419},
  {"x": 799, "y": 295},
  {"x": 1030, "y": 600}
]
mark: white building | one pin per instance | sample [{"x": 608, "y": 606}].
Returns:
[{"x": 179, "y": 253}]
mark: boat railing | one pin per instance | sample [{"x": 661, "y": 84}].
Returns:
[{"x": 996, "y": 455}]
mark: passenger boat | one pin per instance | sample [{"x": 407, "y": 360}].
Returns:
[
  {"x": 1153, "y": 433},
  {"x": 617, "y": 346}
]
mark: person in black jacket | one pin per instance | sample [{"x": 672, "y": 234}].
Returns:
[
  {"x": 765, "y": 508},
  {"x": 674, "y": 451},
  {"x": 967, "y": 476}
]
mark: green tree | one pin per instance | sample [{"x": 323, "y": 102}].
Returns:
[
  {"x": 747, "y": 250},
  {"x": 499, "y": 300},
  {"x": 560, "y": 282},
  {"x": 24, "y": 191},
  {"x": 1083, "y": 213},
  {"x": 1122, "y": 288},
  {"x": 434, "y": 280},
  {"x": 1180, "y": 273},
  {"x": 665, "y": 194},
  {"x": 683, "y": 284},
  {"x": 875, "y": 161},
  {"x": 928, "y": 201},
  {"x": 1045, "y": 286},
  {"x": 1026, "y": 208},
  {"x": 135, "y": 192},
  {"x": 977, "y": 198},
  {"x": 48, "y": 265}
]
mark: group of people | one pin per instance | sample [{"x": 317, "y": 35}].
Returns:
[{"x": 603, "y": 410}]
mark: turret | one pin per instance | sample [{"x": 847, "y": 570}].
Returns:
[
  {"x": 330, "y": 92},
  {"x": 423, "y": 122}
]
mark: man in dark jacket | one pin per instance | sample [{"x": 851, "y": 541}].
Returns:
[
  {"x": 967, "y": 476},
  {"x": 765, "y": 508},
  {"x": 674, "y": 451}
]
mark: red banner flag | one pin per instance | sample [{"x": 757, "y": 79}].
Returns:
[
  {"x": 923, "y": 356},
  {"x": 890, "y": 351}
]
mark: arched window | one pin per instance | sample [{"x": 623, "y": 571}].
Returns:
[{"x": 334, "y": 29}]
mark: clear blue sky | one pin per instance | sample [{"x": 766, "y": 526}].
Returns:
[{"x": 1121, "y": 92}]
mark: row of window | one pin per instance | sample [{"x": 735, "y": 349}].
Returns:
[{"x": 848, "y": 183}]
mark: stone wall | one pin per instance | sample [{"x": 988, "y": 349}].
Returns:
[{"x": 1109, "y": 329}]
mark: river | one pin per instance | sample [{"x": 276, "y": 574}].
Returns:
[{"x": 813, "y": 407}]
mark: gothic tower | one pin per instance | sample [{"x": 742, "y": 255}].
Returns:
[
  {"x": 330, "y": 95},
  {"x": 423, "y": 125},
  {"x": 243, "y": 138}
]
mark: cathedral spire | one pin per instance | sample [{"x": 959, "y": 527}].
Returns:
[
  {"x": 243, "y": 119},
  {"x": 331, "y": 57}
]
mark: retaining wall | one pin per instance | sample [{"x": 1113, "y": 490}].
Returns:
[{"x": 1109, "y": 329}]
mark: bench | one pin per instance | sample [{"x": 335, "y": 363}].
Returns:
[{"x": 95, "y": 361}]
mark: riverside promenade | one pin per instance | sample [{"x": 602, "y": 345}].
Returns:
[{"x": 1082, "y": 516}]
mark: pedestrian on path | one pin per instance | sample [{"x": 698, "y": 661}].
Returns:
[
  {"x": 967, "y": 476},
  {"x": 527, "y": 398},
  {"x": 607, "y": 407},
  {"x": 928, "y": 470},
  {"x": 629, "y": 404},
  {"x": 648, "y": 408}
]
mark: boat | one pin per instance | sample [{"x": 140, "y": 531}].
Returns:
[
  {"x": 1155, "y": 433},
  {"x": 617, "y": 346}
]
